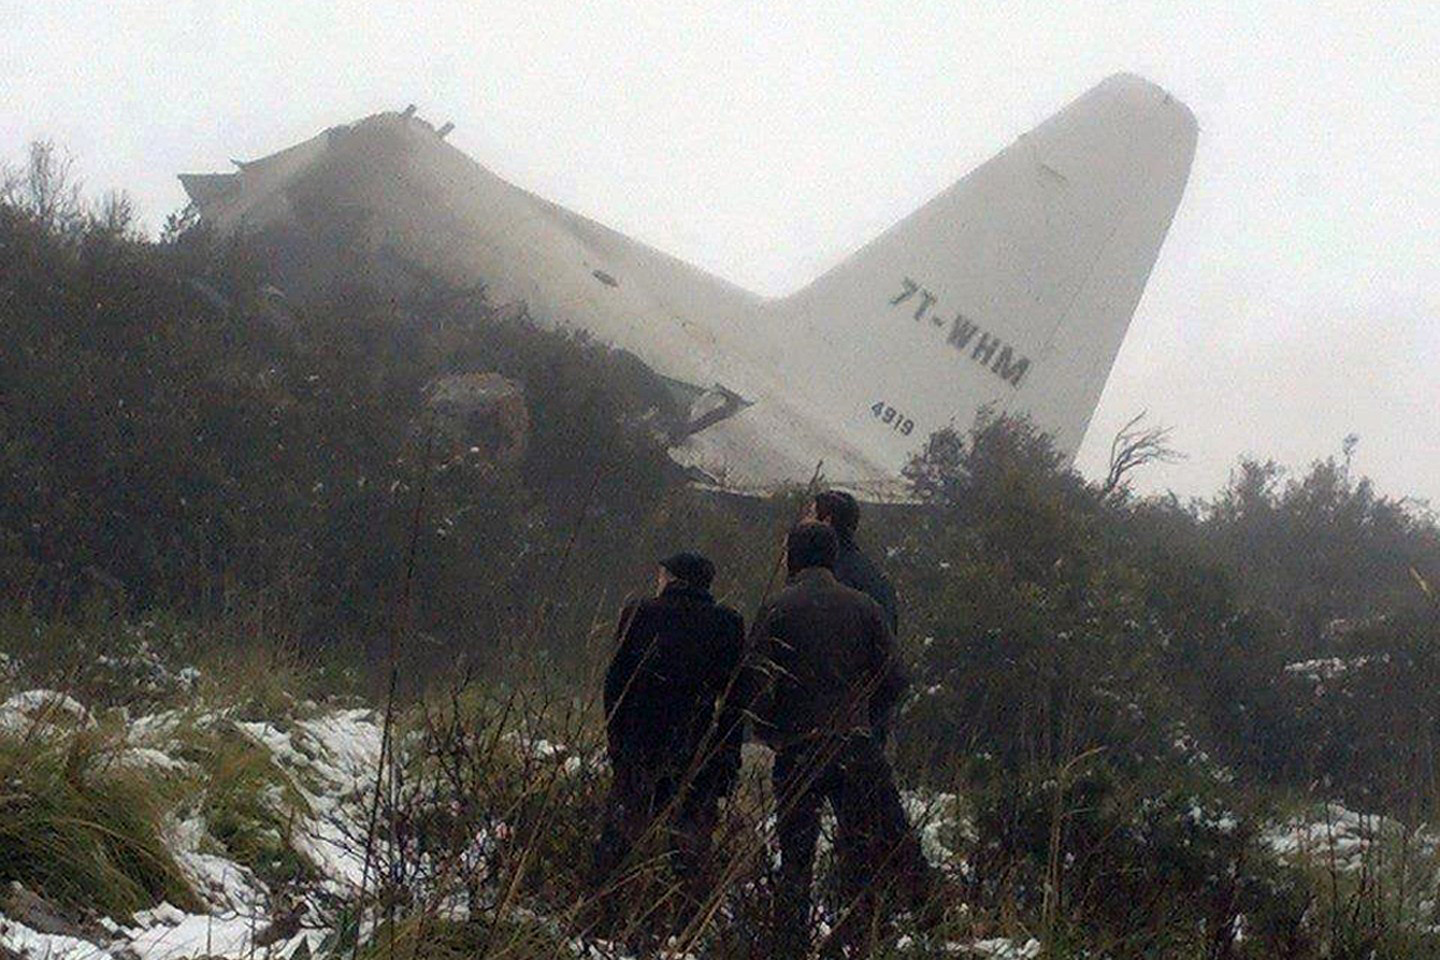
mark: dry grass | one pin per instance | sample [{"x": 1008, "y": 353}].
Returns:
[{"x": 82, "y": 829}]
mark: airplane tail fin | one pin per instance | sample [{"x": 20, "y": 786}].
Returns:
[{"x": 1013, "y": 288}]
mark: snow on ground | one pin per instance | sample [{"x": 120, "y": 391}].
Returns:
[
  {"x": 221, "y": 882},
  {"x": 1187, "y": 748},
  {"x": 155, "y": 729},
  {"x": 1334, "y": 836},
  {"x": 1000, "y": 948},
  {"x": 31, "y": 710},
  {"x": 166, "y": 933},
  {"x": 151, "y": 759},
  {"x": 939, "y": 821},
  {"x": 20, "y": 939},
  {"x": 1328, "y": 668},
  {"x": 994, "y": 948},
  {"x": 538, "y": 749},
  {"x": 330, "y": 759}
]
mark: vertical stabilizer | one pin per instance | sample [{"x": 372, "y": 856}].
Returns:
[{"x": 1013, "y": 288}]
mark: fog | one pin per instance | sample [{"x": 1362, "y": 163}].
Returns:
[{"x": 1295, "y": 301}]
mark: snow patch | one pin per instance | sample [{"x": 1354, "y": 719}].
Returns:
[
  {"x": 221, "y": 882},
  {"x": 1001, "y": 948},
  {"x": 32, "y": 709},
  {"x": 331, "y": 760},
  {"x": 171, "y": 934},
  {"x": 1334, "y": 836},
  {"x": 937, "y": 817},
  {"x": 34, "y": 945}
]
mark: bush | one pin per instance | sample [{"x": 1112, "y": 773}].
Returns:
[
  {"x": 1164, "y": 869},
  {"x": 176, "y": 438}
]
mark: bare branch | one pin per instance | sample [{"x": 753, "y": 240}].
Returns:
[{"x": 1135, "y": 446}]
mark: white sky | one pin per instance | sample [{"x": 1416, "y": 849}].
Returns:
[{"x": 1296, "y": 299}]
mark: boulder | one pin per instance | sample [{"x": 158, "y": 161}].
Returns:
[{"x": 480, "y": 415}]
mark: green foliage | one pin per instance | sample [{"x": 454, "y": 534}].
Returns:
[
  {"x": 1366, "y": 718},
  {"x": 1160, "y": 867},
  {"x": 1076, "y": 649},
  {"x": 1322, "y": 546},
  {"x": 1040, "y": 642},
  {"x": 519, "y": 939},
  {"x": 1054, "y": 620}
]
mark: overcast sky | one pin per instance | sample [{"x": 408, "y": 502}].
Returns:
[{"x": 1296, "y": 300}]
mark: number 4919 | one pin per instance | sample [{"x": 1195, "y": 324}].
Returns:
[{"x": 893, "y": 418}]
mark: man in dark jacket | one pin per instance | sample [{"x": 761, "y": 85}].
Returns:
[
  {"x": 674, "y": 729},
  {"x": 822, "y": 674},
  {"x": 838, "y": 510}
]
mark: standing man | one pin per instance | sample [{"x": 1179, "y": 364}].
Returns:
[
  {"x": 821, "y": 677},
  {"x": 839, "y": 511},
  {"x": 673, "y": 729}
]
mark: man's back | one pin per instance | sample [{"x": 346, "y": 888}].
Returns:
[
  {"x": 826, "y": 660},
  {"x": 678, "y": 653},
  {"x": 856, "y": 570}
]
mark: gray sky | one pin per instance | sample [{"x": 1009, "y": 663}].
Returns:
[{"x": 1297, "y": 298}]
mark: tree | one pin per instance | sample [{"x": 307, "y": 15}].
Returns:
[{"x": 46, "y": 189}]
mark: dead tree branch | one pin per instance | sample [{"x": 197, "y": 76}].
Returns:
[{"x": 1135, "y": 446}]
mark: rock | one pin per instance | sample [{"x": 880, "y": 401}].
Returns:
[
  {"x": 481, "y": 415},
  {"x": 34, "y": 911}
]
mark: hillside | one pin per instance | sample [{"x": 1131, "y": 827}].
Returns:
[{"x": 289, "y": 578}]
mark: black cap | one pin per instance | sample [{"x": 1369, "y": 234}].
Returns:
[{"x": 692, "y": 568}]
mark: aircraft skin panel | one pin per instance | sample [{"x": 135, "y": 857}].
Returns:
[{"x": 1013, "y": 288}]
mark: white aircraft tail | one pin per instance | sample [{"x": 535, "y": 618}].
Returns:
[{"x": 1013, "y": 288}]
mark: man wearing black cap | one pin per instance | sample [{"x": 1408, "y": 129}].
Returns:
[
  {"x": 821, "y": 678},
  {"x": 674, "y": 730}
]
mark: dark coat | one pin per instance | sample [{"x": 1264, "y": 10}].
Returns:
[
  {"x": 677, "y": 658},
  {"x": 854, "y": 569},
  {"x": 821, "y": 660}
]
